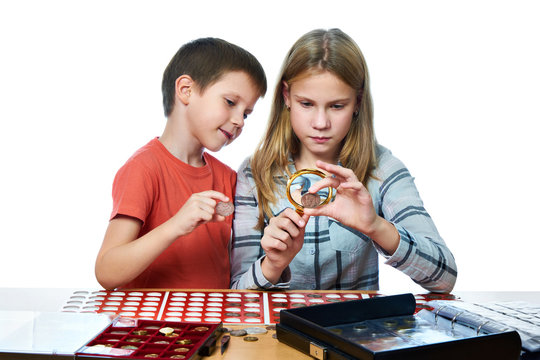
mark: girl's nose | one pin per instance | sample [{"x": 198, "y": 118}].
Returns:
[{"x": 320, "y": 120}]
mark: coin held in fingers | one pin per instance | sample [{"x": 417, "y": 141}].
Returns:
[
  {"x": 224, "y": 208},
  {"x": 310, "y": 201}
]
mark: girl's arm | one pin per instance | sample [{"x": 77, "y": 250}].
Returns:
[{"x": 402, "y": 230}]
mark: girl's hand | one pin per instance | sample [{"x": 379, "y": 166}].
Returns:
[
  {"x": 200, "y": 208},
  {"x": 352, "y": 205},
  {"x": 282, "y": 240}
]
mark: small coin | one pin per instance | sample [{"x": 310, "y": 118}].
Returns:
[
  {"x": 166, "y": 330},
  {"x": 151, "y": 355},
  {"x": 182, "y": 350},
  {"x": 310, "y": 200},
  {"x": 251, "y": 338},
  {"x": 271, "y": 327},
  {"x": 224, "y": 208},
  {"x": 140, "y": 332},
  {"x": 201, "y": 328},
  {"x": 184, "y": 342},
  {"x": 255, "y": 330},
  {"x": 130, "y": 347},
  {"x": 240, "y": 332},
  {"x": 178, "y": 357}
]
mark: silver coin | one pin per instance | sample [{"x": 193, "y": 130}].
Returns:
[
  {"x": 255, "y": 330},
  {"x": 240, "y": 332}
]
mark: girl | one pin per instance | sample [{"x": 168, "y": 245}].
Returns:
[{"x": 322, "y": 117}]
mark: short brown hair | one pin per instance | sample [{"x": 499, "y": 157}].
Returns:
[{"x": 206, "y": 60}]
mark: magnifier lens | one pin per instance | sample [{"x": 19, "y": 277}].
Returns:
[{"x": 297, "y": 190}]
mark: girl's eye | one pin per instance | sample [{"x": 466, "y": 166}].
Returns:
[
  {"x": 338, "y": 106},
  {"x": 305, "y": 103}
]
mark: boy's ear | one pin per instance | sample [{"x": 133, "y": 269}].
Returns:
[
  {"x": 286, "y": 94},
  {"x": 183, "y": 87}
]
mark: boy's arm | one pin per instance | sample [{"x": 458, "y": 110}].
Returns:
[{"x": 123, "y": 255}]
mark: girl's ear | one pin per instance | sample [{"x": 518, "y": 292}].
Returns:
[
  {"x": 286, "y": 94},
  {"x": 184, "y": 85}
]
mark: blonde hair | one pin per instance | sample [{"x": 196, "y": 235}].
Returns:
[{"x": 317, "y": 51}]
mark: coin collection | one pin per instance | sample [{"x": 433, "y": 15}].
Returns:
[
  {"x": 396, "y": 333},
  {"x": 147, "y": 339},
  {"x": 207, "y": 306}
]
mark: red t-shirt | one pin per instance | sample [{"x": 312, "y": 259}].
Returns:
[{"x": 152, "y": 186}]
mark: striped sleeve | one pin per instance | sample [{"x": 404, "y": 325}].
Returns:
[
  {"x": 422, "y": 254},
  {"x": 247, "y": 253}
]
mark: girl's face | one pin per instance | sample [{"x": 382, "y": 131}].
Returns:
[{"x": 321, "y": 110}]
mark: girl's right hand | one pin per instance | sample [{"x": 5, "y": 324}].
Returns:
[{"x": 282, "y": 240}]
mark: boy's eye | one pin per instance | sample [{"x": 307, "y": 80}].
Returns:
[
  {"x": 230, "y": 102},
  {"x": 245, "y": 116}
]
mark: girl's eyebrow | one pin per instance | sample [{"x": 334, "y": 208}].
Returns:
[{"x": 303, "y": 97}]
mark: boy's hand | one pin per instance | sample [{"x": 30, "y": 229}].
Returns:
[
  {"x": 200, "y": 208},
  {"x": 282, "y": 240}
]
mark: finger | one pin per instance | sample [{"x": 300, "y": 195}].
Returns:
[
  {"x": 336, "y": 170},
  {"x": 293, "y": 216},
  {"x": 216, "y": 195},
  {"x": 324, "y": 183}
]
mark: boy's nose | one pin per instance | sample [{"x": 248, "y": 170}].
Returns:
[{"x": 238, "y": 120}]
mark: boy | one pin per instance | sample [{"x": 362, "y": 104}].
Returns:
[{"x": 164, "y": 231}]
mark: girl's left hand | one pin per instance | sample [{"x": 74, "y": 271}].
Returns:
[{"x": 352, "y": 205}]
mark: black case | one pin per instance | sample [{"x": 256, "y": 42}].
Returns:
[{"x": 306, "y": 330}]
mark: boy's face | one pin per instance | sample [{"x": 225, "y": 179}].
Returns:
[{"x": 216, "y": 116}]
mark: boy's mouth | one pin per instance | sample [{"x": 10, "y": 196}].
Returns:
[{"x": 227, "y": 134}]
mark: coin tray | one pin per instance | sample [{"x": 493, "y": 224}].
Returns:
[
  {"x": 141, "y": 339},
  {"x": 213, "y": 306},
  {"x": 136, "y": 304}
]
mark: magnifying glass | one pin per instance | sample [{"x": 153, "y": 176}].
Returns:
[{"x": 297, "y": 190}]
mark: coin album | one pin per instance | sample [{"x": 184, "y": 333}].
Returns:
[
  {"x": 388, "y": 327},
  {"x": 144, "y": 339}
]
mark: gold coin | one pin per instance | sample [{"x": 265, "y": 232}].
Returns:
[
  {"x": 251, "y": 338},
  {"x": 130, "y": 347},
  {"x": 177, "y": 357},
  {"x": 184, "y": 342},
  {"x": 166, "y": 330},
  {"x": 151, "y": 355},
  {"x": 201, "y": 328},
  {"x": 140, "y": 332},
  {"x": 133, "y": 340},
  {"x": 161, "y": 342},
  {"x": 182, "y": 349}
]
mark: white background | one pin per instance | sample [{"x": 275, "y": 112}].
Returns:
[{"x": 456, "y": 94}]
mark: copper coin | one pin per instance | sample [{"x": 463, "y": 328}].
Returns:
[
  {"x": 251, "y": 338},
  {"x": 310, "y": 200},
  {"x": 182, "y": 350},
  {"x": 151, "y": 355},
  {"x": 201, "y": 328},
  {"x": 224, "y": 208},
  {"x": 177, "y": 357}
]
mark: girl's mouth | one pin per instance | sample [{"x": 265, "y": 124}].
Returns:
[{"x": 320, "y": 139}]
